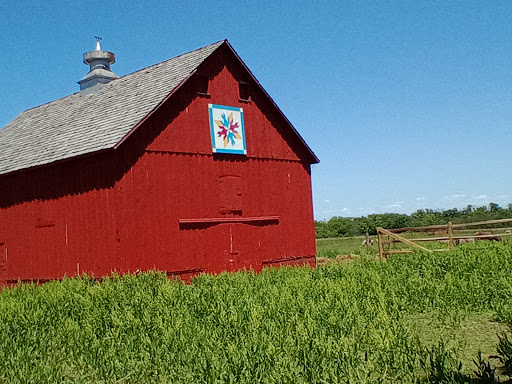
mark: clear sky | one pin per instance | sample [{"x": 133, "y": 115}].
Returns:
[{"x": 408, "y": 104}]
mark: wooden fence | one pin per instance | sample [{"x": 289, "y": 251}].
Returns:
[{"x": 449, "y": 234}]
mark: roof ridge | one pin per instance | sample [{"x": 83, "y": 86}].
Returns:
[{"x": 220, "y": 42}]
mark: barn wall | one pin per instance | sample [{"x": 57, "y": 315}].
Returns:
[
  {"x": 57, "y": 219},
  {"x": 122, "y": 209},
  {"x": 206, "y": 244}
]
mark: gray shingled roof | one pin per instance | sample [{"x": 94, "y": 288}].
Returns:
[{"x": 82, "y": 123}]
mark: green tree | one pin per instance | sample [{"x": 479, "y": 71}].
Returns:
[
  {"x": 340, "y": 225},
  {"x": 346, "y": 226}
]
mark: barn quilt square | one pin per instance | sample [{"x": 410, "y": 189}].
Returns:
[{"x": 227, "y": 129}]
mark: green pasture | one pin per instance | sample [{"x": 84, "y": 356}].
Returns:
[
  {"x": 332, "y": 247},
  {"x": 417, "y": 318}
]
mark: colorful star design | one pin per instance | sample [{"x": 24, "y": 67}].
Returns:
[{"x": 228, "y": 130}]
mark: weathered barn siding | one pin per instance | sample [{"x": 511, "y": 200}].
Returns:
[{"x": 162, "y": 200}]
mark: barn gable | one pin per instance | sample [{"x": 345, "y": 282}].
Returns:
[
  {"x": 126, "y": 178},
  {"x": 85, "y": 123},
  {"x": 270, "y": 135}
]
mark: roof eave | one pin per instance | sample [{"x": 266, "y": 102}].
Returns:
[
  {"x": 125, "y": 137},
  {"x": 55, "y": 162},
  {"x": 314, "y": 157}
]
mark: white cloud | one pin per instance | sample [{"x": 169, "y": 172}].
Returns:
[
  {"x": 342, "y": 210},
  {"x": 480, "y": 197},
  {"x": 326, "y": 201},
  {"x": 454, "y": 197},
  {"x": 366, "y": 211},
  {"x": 421, "y": 198}
]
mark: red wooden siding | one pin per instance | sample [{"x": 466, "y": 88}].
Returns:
[
  {"x": 3, "y": 265},
  {"x": 163, "y": 200}
]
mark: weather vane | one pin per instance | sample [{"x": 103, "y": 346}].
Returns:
[{"x": 98, "y": 47}]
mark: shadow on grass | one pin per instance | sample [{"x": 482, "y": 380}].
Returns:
[{"x": 442, "y": 370}]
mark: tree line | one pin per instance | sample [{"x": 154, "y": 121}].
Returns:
[{"x": 356, "y": 226}]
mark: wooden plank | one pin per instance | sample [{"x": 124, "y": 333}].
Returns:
[
  {"x": 416, "y": 239},
  {"x": 488, "y": 222},
  {"x": 381, "y": 245},
  {"x": 454, "y": 226},
  {"x": 431, "y": 238},
  {"x": 418, "y": 229},
  {"x": 419, "y": 239},
  {"x": 229, "y": 220},
  {"x": 450, "y": 235},
  {"x": 484, "y": 236},
  {"x": 287, "y": 259},
  {"x": 455, "y": 230},
  {"x": 402, "y": 239}
]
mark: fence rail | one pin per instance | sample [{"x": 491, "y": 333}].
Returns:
[{"x": 449, "y": 234}]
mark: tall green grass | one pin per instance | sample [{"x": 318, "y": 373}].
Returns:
[{"x": 335, "y": 324}]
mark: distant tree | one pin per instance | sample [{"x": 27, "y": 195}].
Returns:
[
  {"x": 425, "y": 217},
  {"x": 346, "y": 226},
  {"x": 493, "y": 207},
  {"x": 361, "y": 225},
  {"x": 323, "y": 230},
  {"x": 449, "y": 214},
  {"x": 340, "y": 225}
]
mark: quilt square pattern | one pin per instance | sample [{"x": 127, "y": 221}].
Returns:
[{"x": 227, "y": 129}]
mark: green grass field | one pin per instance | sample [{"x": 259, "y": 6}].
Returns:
[
  {"x": 413, "y": 319},
  {"x": 333, "y": 247}
]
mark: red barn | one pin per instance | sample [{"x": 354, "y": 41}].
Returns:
[{"x": 185, "y": 166}]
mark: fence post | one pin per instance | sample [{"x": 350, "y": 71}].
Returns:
[
  {"x": 381, "y": 246},
  {"x": 450, "y": 235}
]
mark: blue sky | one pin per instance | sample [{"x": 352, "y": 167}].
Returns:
[{"x": 408, "y": 104}]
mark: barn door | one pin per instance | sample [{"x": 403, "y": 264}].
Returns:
[
  {"x": 3, "y": 264},
  {"x": 221, "y": 253},
  {"x": 229, "y": 195}
]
